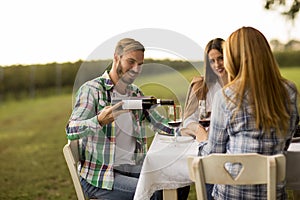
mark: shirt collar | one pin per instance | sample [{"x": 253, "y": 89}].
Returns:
[{"x": 108, "y": 84}]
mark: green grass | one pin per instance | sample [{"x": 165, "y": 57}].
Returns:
[
  {"x": 31, "y": 140},
  {"x": 292, "y": 73}
]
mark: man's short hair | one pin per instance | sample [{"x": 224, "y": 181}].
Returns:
[{"x": 126, "y": 45}]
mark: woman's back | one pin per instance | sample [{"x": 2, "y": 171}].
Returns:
[{"x": 256, "y": 112}]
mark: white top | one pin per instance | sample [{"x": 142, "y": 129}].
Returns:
[
  {"x": 125, "y": 142},
  {"x": 209, "y": 99},
  {"x": 210, "y": 95}
]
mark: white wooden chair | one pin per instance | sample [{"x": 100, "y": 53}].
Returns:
[
  {"x": 71, "y": 154},
  {"x": 256, "y": 169}
]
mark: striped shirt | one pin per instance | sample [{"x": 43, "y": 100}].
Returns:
[
  {"x": 98, "y": 143},
  {"x": 239, "y": 135}
]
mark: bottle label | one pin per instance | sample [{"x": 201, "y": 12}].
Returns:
[{"x": 132, "y": 104}]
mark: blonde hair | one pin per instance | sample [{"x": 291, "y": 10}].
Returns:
[
  {"x": 126, "y": 45},
  {"x": 252, "y": 67}
]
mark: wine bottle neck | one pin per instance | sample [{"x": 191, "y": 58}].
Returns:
[{"x": 165, "y": 101}]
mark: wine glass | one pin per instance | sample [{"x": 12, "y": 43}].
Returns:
[
  {"x": 175, "y": 117},
  {"x": 202, "y": 109},
  {"x": 204, "y": 115}
]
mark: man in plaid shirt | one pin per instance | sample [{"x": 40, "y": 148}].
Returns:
[{"x": 112, "y": 141}]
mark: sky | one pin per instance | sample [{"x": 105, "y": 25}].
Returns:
[{"x": 45, "y": 31}]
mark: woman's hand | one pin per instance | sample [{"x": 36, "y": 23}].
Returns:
[
  {"x": 187, "y": 132},
  {"x": 201, "y": 134},
  {"x": 196, "y": 130}
]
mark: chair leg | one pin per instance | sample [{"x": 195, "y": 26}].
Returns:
[{"x": 170, "y": 194}]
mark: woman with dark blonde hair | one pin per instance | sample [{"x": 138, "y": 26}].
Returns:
[{"x": 256, "y": 112}]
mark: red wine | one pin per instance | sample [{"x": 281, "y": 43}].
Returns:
[{"x": 174, "y": 107}]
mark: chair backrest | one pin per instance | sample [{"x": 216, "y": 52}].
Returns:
[
  {"x": 71, "y": 154},
  {"x": 211, "y": 169}
]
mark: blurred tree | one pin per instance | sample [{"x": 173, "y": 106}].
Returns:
[
  {"x": 292, "y": 45},
  {"x": 276, "y": 45},
  {"x": 290, "y": 7}
]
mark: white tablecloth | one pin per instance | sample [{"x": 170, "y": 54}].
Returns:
[{"x": 165, "y": 166}]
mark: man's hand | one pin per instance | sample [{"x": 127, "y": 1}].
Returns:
[{"x": 109, "y": 113}]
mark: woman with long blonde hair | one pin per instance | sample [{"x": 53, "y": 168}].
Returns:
[{"x": 256, "y": 112}]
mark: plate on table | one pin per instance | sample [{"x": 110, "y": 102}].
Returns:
[
  {"x": 181, "y": 139},
  {"x": 165, "y": 134},
  {"x": 184, "y": 138}
]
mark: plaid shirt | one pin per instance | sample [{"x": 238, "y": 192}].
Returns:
[
  {"x": 97, "y": 143},
  {"x": 240, "y": 136}
]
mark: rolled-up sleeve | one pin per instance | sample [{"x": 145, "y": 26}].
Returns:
[{"x": 83, "y": 120}]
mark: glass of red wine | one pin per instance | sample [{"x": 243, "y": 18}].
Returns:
[{"x": 174, "y": 116}]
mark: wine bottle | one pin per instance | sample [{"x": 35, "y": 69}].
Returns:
[{"x": 138, "y": 103}]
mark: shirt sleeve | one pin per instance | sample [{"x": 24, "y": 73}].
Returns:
[
  {"x": 218, "y": 136},
  {"x": 194, "y": 117},
  {"x": 83, "y": 120},
  {"x": 159, "y": 122}
]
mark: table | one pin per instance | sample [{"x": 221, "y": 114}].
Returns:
[
  {"x": 165, "y": 167},
  {"x": 292, "y": 168}
]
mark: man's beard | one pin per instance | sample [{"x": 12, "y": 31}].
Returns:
[
  {"x": 119, "y": 71},
  {"x": 127, "y": 77}
]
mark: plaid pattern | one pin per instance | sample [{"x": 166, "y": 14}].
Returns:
[
  {"x": 97, "y": 144},
  {"x": 239, "y": 135}
]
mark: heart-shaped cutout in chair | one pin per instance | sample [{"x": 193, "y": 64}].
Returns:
[{"x": 234, "y": 170}]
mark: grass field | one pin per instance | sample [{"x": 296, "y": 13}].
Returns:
[{"x": 31, "y": 140}]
